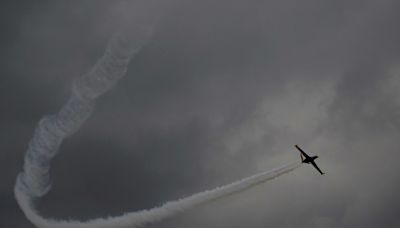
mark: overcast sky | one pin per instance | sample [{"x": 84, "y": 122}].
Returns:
[{"x": 222, "y": 91}]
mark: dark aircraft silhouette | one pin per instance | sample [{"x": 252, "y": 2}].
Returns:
[{"x": 307, "y": 159}]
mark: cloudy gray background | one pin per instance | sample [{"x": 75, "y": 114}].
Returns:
[{"x": 224, "y": 90}]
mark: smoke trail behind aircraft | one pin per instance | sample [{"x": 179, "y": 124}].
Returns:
[
  {"x": 143, "y": 217},
  {"x": 34, "y": 181}
]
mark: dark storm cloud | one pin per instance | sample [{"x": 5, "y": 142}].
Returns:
[{"x": 223, "y": 90}]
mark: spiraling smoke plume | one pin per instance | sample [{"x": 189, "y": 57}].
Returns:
[{"x": 34, "y": 181}]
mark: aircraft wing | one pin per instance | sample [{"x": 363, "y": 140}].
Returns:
[
  {"x": 301, "y": 151},
  {"x": 316, "y": 167}
]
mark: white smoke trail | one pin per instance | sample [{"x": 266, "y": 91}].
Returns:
[
  {"x": 34, "y": 181},
  {"x": 52, "y": 129},
  {"x": 140, "y": 218}
]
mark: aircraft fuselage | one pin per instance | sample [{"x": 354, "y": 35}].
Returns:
[{"x": 310, "y": 159}]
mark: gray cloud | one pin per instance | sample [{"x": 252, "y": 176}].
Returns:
[{"x": 224, "y": 90}]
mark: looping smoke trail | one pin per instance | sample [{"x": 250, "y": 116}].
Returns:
[
  {"x": 34, "y": 181},
  {"x": 52, "y": 129}
]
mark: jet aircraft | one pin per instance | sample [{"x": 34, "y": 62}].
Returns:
[{"x": 308, "y": 159}]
